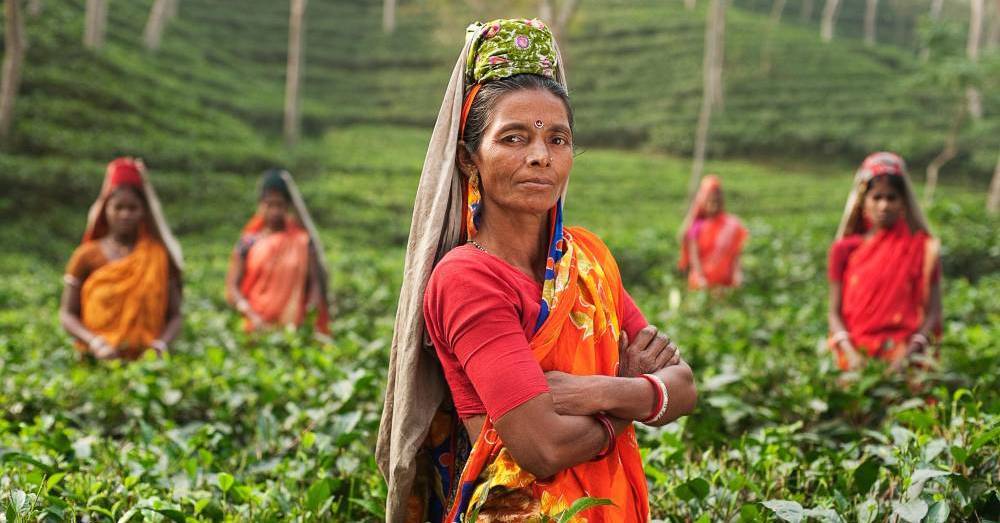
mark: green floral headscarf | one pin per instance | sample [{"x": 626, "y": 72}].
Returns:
[{"x": 506, "y": 47}]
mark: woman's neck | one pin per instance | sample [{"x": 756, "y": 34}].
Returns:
[
  {"x": 521, "y": 240},
  {"x": 125, "y": 239}
]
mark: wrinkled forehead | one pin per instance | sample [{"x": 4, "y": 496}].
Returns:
[{"x": 530, "y": 106}]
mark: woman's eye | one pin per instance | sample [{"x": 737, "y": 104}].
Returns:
[
  {"x": 512, "y": 138},
  {"x": 560, "y": 140}
]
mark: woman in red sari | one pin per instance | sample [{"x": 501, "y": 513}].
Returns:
[
  {"x": 541, "y": 362},
  {"x": 711, "y": 240},
  {"x": 884, "y": 271},
  {"x": 277, "y": 270}
]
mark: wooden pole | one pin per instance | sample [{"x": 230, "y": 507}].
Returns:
[
  {"x": 293, "y": 74},
  {"x": 13, "y": 59}
]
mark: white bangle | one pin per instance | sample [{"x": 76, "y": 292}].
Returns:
[
  {"x": 95, "y": 342},
  {"x": 666, "y": 400},
  {"x": 840, "y": 336},
  {"x": 243, "y": 305}
]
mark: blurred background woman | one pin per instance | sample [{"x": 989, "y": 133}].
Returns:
[
  {"x": 122, "y": 292},
  {"x": 711, "y": 240},
  {"x": 277, "y": 270},
  {"x": 884, "y": 271}
]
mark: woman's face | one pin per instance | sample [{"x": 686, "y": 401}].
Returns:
[
  {"x": 526, "y": 153},
  {"x": 883, "y": 203},
  {"x": 713, "y": 203},
  {"x": 274, "y": 208},
  {"x": 124, "y": 212}
]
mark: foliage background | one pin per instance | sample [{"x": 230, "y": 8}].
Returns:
[{"x": 279, "y": 427}]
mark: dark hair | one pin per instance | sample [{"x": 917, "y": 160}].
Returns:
[
  {"x": 490, "y": 93},
  {"x": 272, "y": 181},
  {"x": 132, "y": 189},
  {"x": 895, "y": 181}
]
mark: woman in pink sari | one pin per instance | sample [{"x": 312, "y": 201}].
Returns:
[{"x": 711, "y": 240}]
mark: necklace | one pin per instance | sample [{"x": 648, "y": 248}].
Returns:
[{"x": 476, "y": 245}]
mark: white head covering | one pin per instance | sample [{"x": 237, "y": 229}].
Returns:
[{"x": 416, "y": 385}]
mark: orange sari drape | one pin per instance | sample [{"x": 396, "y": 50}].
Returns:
[
  {"x": 720, "y": 241},
  {"x": 275, "y": 274},
  {"x": 580, "y": 337},
  {"x": 125, "y": 301}
]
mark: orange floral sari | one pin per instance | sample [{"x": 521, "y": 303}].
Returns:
[{"x": 579, "y": 336}]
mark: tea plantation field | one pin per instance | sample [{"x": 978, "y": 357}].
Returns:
[{"x": 276, "y": 428}]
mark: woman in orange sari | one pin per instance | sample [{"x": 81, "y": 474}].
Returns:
[
  {"x": 711, "y": 240},
  {"x": 277, "y": 271},
  {"x": 122, "y": 292},
  {"x": 884, "y": 271},
  {"x": 541, "y": 361}
]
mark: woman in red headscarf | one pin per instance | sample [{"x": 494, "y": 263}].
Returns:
[
  {"x": 277, "y": 270},
  {"x": 714, "y": 237},
  {"x": 122, "y": 291},
  {"x": 884, "y": 271}
]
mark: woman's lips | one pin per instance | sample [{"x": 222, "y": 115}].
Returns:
[{"x": 536, "y": 183}]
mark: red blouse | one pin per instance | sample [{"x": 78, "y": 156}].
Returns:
[{"x": 480, "y": 313}]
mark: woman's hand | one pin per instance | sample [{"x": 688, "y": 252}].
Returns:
[
  {"x": 851, "y": 354},
  {"x": 572, "y": 395},
  {"x": 101, "y": 349},
  {"x": 651, "y": 351},
  {"x": 700, "y": 281},
  {"x": 256, "y": 322}
]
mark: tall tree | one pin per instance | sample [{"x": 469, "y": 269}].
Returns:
[
  {"x": 807, "y": 10},
  {"x": 293, "y": 73},
  {"x": 871, "y": 21},
  {"x": 972, "y": 94},
  {"x": 95, "y": 24},
  {"x": 934, "y": 16},
  {"x": 830, "y": 11},
  {"x": 172, "y": 9},
  {"x": 993, "y": 35},
  {"x": 945, "y": 156},
  {"x": 777, "y": 7},
  {"x": 689, "y": 4},
  {"x": 13, "y": 57},
  {"x": 34, "y": 8},
  {"x": 714, "y": 27},
  {"x": 993, "y": 200},
  {"x": 159, "y": 14},
  {"x": 389, "y": 16}
]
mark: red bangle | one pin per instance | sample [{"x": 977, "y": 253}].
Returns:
[
  {"x": 659, "y": 398},
  {"x": 610, "y": 429}
]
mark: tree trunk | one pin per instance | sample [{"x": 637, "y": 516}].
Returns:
[
  {"x": 972, "y": 93},
  {"x": 993, "y": 200},
  {"x": 34, "y": 8},
  {"x": 777, "y": 8},
  {"x": 946, "y": 154},
  {"x": 936, "y": 7},
  {"x": 95, "y": 24},
  {"x": 545, "y": 13},
  {"x": 13, "y": 58},
  {"x": 830, "y": 11},
  {"x": 871, "y": 20},
  {"x": 157, "y": 20},
  {"x": 689, "y": 4},
  {"x": 388, "y": 16},
  {"x": 716, "y": 18},
  {"x": 993, "y": 35},
  {"x": 172, "y": 9},
  {"x": 807, "y": 10},
  {"x": 293, "y": 74},
  {"x": 718, "y": 62}
]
